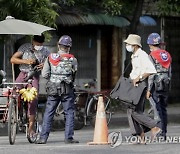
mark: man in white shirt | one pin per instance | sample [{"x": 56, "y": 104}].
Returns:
[{"x": 142, "y": 67}]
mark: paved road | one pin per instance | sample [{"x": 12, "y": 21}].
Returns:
[{"x": 55, "y": 144}]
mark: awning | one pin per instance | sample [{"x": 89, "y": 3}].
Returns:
[
  {"x": 91, "y": 19},
  {"x": 147, "y": 21}
]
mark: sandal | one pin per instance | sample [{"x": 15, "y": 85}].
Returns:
[{"x": 32, "y": 134}]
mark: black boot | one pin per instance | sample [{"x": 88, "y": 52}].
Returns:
[{"x": 70, "y": 141}]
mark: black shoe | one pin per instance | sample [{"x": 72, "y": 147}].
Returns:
[
  {"x": 41, "y": 141},
  {"x": 70, "y": 141}
]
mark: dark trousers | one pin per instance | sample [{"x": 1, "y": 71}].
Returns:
[
  {"x": 138, "y": 121},
  {"x": 160, "y": 99},
  {"x": 51, "y": 105}
]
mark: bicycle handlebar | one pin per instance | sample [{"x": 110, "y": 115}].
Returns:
[
  {"x": 16, "y": 83},
  {"x": 3, "y": 74},
  {"x": 11, "y": 83}
]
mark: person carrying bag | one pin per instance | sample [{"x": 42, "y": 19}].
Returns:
[{"x": 133, "y": 90}]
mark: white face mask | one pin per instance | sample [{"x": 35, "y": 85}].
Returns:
[
  {"x": 62, "y": 51},
  {"x": 129, "y": 48},
  {"x": 37, "y": 47},
  {"x": 151, "y": 49}
]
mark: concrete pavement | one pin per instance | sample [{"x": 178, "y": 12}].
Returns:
[
  {"x": 119, "y": 119},
  {"x": 55, "y": 144}
]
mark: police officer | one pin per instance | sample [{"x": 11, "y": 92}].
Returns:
[
  {"x": 60, "y": 68},
  {"x": 159, "y": 84}
]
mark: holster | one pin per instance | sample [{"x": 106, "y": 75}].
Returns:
[
  {"x": 63, "y": 88},
  {"x": 162, "y": 83},
  {"x": 58, "y": 88}
]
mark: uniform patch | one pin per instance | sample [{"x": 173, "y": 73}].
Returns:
[
  {"x": 55, "y": 56},
  {"x": 164, "y": 56}
]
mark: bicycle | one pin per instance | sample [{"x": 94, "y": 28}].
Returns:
[
  {"x": 86, "y": 107},
  {"x": 14, "y": 112}
]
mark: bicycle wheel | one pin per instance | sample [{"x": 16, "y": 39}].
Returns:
[
  {"x": 61, "y": 120},
  {"x": 12, "y": 121},
  {"x": 23, "y": 117},
  {"x": 37, "y": 129},
  {"x": 78, "y": 120},
  {"x": 92, "y": 109},
  {"x": 78, "y": 114}
]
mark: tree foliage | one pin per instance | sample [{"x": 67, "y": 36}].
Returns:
[
  {"x": 39, "y": 11},
  {"x": 129, "y": 8},
  {"x": 45, "y": 11},
  {"x": 112, "y": 7},
  {"x": 168, "y": 7}
]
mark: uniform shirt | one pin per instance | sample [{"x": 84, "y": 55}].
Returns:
[
  {"x": 46, "y": 71},
  {"x": 29, "y": 53},
  {"x": 141, "y": 64},
  {"x": 162, "y": 72}
]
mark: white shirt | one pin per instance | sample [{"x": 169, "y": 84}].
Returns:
[{"x": 141, "y": 64}]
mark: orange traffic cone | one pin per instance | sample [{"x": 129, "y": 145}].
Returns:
[{"x": 101, "y": 129}]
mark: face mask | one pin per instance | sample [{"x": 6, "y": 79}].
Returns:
[
  {"x": 36, "y": 47},
  {"x": 62, "y": 51},
  {"x": 129, "y": 48},
  {"x": 151, "y": 49}
]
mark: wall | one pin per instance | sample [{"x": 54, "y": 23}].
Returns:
[
  {"x": 172, "y": 39},
  {"x": 84, "y": 48}
]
